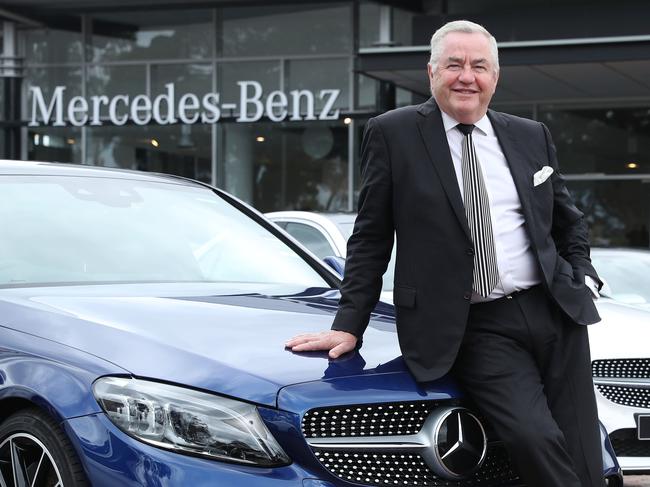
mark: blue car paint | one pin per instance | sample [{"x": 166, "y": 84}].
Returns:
[{"x": 188, "y": 338}]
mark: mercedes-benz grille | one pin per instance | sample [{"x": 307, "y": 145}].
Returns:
[{"x": 420, "y": 443}]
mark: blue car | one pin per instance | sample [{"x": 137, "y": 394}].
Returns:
[{"x": 142, "y": 323}]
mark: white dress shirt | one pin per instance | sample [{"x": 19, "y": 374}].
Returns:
[{"x": 515, "y": 259}]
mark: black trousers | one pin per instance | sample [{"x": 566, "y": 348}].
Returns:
[{"x": 528, "y": 369}]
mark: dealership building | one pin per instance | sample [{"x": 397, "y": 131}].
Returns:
[{"x": 268, "y": 99}]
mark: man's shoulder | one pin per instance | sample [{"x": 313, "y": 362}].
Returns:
[
  {"x": 399, "y": 115},
  {"x": 514, "y": 120}
]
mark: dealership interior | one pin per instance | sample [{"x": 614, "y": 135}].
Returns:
[{"x": 588, "y": 81}]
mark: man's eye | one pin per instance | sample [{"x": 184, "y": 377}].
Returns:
[
  {"x": 480, "y": 68},
  {"x": 453, "y": 66}
]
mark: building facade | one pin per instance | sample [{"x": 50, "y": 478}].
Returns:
[{"x": 268, "y": 100}]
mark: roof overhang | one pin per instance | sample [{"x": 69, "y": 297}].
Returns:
[{"x": 536, "y": 71}]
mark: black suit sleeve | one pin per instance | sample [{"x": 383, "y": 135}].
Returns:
[
  {"x": 569, "y": 230},
  {"x": 370, "y": 245}
]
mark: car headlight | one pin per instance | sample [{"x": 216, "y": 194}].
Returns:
[{"x": 188, "y": 421}]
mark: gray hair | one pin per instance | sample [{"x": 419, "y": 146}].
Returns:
[{"x": 461, "y": 26}]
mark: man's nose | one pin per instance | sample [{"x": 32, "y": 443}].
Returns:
[{"x": 466, "y": 75}]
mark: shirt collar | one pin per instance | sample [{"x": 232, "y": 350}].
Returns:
[{"x": 483, "y": 124}]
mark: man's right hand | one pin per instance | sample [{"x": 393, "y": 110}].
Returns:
[{"x": 336, "y": 342}]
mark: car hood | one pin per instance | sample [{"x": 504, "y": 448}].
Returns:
[
  {"x": 226, "y": 338},
  {"x": 623, "y": 332}
]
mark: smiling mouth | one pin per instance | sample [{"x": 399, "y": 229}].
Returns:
[{"x": 466, "y": 92}]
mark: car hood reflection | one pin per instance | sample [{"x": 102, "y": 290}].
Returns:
[{"x": 213, "y": 337}]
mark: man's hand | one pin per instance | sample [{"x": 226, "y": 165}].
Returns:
[{"x": 336, "y": 342}]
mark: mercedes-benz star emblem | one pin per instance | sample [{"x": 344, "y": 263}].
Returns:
[{"x": 459, "y": 444}]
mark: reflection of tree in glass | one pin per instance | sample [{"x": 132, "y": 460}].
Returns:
[{"x": 605, "y": 222}]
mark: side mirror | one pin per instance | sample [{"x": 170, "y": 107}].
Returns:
[{"x": 336, "y": 263}]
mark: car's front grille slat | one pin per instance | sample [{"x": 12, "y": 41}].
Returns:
[
  {"x": 623, "y": 381},
  {"x": 626, "y": 395},
  {"x": 367, "y": 419},
  {"x": 633, "y": 368},
  {"x": 406, "y": 469}
]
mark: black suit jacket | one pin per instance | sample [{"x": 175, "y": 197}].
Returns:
[{"x": 409, "y": 188}]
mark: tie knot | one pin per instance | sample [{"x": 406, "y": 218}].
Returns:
[{"x": 466, "y": 129}]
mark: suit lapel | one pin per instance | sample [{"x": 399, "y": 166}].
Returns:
[
  {"x": 432, "y": 131},
  {"x": 516, "y": 162}
]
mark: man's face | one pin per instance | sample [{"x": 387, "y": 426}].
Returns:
[{"x": 465, "y": 78}]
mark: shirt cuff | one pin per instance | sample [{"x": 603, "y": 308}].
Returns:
[{"x": 591, "y": 283}]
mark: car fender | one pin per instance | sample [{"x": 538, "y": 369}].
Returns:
[{"x": 60, "y": 386}]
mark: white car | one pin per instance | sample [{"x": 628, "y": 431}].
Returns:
[
  {"x": 326, "y": 235},
  {"x": 620, "y": 343}
]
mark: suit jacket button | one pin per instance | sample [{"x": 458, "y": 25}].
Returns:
[
  {"x": 467, "y": 295},
  {"x": 470, "y": 251}
]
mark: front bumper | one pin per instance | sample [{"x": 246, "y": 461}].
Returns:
[
  {"x": 619, "y": 420},
  {"x": 110, "y": 458}
]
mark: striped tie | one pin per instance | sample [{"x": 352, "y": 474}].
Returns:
[{"x": 477, "y": 210}]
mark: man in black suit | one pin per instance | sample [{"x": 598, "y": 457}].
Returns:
[{"x": 493, "y": 278}]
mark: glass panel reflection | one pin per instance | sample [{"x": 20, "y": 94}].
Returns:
[
  {"x": 321, "y": 74},
  {"x": 54, "y": 144},
  {"x": 601, "y": 140},
  {"x": 176, "y": 149},
  {"x": 617, "y": 212},
  {"x": 154, "y": 34},
  {"x": 286, "y": 166},
  {"x": 49, "y": 45},
  {"x": 300, "y": 28}
]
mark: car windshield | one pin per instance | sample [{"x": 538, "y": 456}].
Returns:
[
  {"x": 61, "y": 229},
  {"x": 389, "y": 275},
  {"x": 627, "y": 275}
]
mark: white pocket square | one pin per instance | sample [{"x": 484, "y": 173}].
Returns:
[{"x": 542, "y": 175}]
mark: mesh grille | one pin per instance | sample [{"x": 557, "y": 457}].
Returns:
[
  {"x": 386, "y": 419},
  {"x": 405, "y": 469},
  {"x": 626, "y": 395},
  {"x": 626, "y": 444},
  {"x": 638, "y": 368}
]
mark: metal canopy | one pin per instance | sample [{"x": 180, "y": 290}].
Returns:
[{"x": 547, "y": 71}]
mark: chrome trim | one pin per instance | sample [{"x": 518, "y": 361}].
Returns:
[
  {"x": 638, "y": 427},
  {"x": 607, "y": 381}
]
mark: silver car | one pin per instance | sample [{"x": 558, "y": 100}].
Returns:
[{"x": 620, "y": 343}]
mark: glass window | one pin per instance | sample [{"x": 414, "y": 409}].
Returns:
[
  {"x": 300, "y": 28},
  {"x": 403, "y": 27},
  {"x": 121, "y": 230},
  {"x": 179, "y": 149},
  {"x": 110, "y": 81},
  {"x": 600, "y": 140},
  {"x": 187, "y": 78},
  {"x": 54, "y": 144},
  {"x": 368, "y": 24},
  {"x": 311, "y": 238},
  {"x": 48, "y": 45},
  {"x": 321, "y": 74},
  {"x": 286, "y": 166},
  {"x": 41, "y": 84},
  {"x": 617, "y": 212},
  {"x": 367, "y": 95},
  {"x": 155, "y": 34},
  {"x": 266, "y": 73}
]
